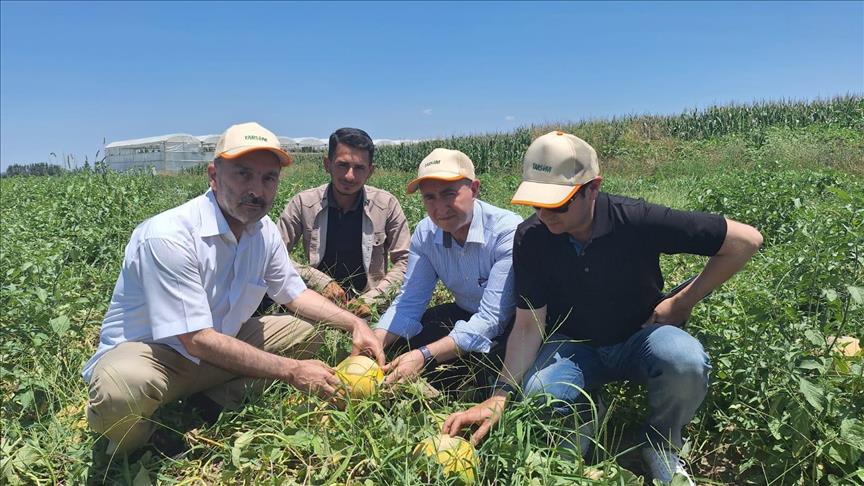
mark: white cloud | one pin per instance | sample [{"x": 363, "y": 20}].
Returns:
[
  {"x": 427, "y": 111},
  {"x": 509, "y": 117}
]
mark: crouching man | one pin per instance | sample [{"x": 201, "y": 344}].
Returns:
[
  {"x": 179, "y": 319},
  {"x": 349, "y": 229},
  {"x": 590, "y": 309},
  {"x": 467, "y": 244}
]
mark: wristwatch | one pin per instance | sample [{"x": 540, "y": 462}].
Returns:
[
  {"x": 505, "y": 387},
  {"x": 427, "y": 355}
]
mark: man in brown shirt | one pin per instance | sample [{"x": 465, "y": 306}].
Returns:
[{"x": 349, "y": 229}]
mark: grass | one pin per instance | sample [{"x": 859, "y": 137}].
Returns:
[{"x": 783, "y": 408}]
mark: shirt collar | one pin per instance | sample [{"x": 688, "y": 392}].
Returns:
[
  {"x": 213, "y": 222},
  {"x": 602, "y": 224},
  {"x": 330, "y": 199},
  {"x": 476, "y": 232}
]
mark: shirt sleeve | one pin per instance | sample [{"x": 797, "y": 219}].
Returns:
[
  {"x": 527, "y": 267},
  {"x": 672, "y": 231},
  {"x": 397, "y": 243},
  {"x": 496, "y": 306},
  {"x": 291, "y": 230},
  {"x": 403, "y": 317},
  {"x": 290, "y": 224},
  {"x": 171, "y": 283},
  {"x": 283, "y": 282}
]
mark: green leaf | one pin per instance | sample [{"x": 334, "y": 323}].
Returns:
[
  {"x": 814, "y": 337},
  {"x": 811, "y": 364},
  {"x": 42, "y": 294},
  {"x": 852, "y": 431},
  {"x": 746, "y": 465},
  {"x": 774, "y": 428},
  {"x": 857, "y": 294},
  {"x": 25, "y": 399},
  {"x": 59, "y": 325},
  {"x": 680, "y": 480},
  {"x": 812, "y": 393},
  {"x": 840, "y": 365},
  {"x": 837, "y": 453},
  {"x": 301, "y": 439},
  {"x": 237, "y": 451},
  {"x": 142, "y": 478},
  {"x": 840, "y": 193},
  {"x": 343, "y": 466},
  {"x": 800, "y": 422}
]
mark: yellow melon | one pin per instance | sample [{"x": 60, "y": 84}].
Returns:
[
  {"x": 360, "y": 375},
  {"x": 845, "y": 345},
  {"x": 455, "y": 454}
]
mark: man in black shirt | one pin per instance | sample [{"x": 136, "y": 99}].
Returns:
[{"x": 590, "y": 308}]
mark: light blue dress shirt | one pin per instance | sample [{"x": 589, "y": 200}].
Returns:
[{"x": 479, "y": 274}]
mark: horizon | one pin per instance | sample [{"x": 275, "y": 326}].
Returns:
[{"x": 141, "y": 70}]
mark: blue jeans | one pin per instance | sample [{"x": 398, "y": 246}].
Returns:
[{"x": 668, "y": 360}]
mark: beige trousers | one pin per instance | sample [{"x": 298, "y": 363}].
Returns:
[{"x": 134, "y": 379}]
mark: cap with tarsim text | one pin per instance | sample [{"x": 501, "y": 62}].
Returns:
[
  {"x": 555, "y": 166},
  {"x": 444, "y": 165},
  {"x": 248, "y": 137}
]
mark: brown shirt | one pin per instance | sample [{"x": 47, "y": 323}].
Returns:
[{"x": 385, "y": 234}]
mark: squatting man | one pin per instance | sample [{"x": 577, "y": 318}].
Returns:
[
  {"x": 179, "y": 319},
  {"x": 590, "y": 308}
]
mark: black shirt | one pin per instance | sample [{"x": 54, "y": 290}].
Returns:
[
  {"x": 343, "y": 257},
  {"x": 604, "y": 293}
]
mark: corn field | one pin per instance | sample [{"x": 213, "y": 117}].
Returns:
[{"x": 611, "y": 137}]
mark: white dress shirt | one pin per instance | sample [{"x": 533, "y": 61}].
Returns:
[{"x": 184, "y": 271}]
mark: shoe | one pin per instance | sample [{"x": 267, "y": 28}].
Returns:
[
  {"x": 169, "y": 443},
  {"x": 207, "y": 409},
  {"x": 664, "y": 465}
]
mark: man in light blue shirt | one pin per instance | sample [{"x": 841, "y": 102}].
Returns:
[{"x": 467, "y": 244}]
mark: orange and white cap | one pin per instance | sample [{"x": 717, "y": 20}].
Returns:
[
  {"x": 248, "y": 137},
  {"x": 555, "y": 166},
  {"x": 444, "y": 165}
]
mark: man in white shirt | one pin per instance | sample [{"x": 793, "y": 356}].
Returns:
[{"x": 179, "y": 319}]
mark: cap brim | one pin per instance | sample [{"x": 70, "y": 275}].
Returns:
[
  {"x": 542, "y": 195},
  {"x": 439, "y": 176},
  {"x": 284, "y": 157}
]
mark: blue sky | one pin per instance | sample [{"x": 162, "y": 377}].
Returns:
[{"x": 74, "y": 74}]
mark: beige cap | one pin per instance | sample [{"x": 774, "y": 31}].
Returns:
[
  {"x": 555, "y": 166},
  {"x": 444, "y": 165},
  {"x": 247, "y": 137}
]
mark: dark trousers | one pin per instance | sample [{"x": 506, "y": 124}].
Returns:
[{"x": 471, "y": 372}]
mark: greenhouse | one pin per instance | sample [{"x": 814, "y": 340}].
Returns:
[
  {"x": 166, "y": 153},
  {"x": 173, "y": 153}
]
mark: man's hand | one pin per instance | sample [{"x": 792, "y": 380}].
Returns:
[
  {"x": 670, "y": 311},
  {"x": 381, "y": 336},
  {"x": 359, "y": 308},
  {"x": 313, "y": 376},
  {"x": 484, "y": 414},
  {"x": 405, "y": 367},
  {"x": 334, "y": 292},
  {"x": 364, "y": 341}
]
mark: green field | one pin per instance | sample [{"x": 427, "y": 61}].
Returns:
[{"x": 783, "y": 407}]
